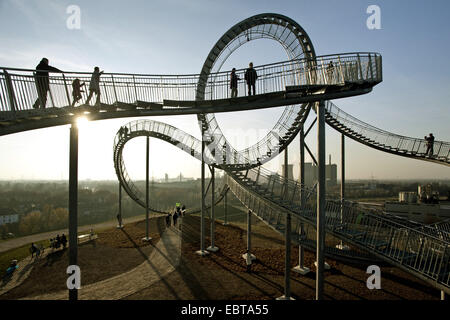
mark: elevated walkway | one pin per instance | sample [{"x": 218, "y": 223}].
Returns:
[
  {"x": 133, "y": 95},
  {"x": 383, "y": 140}
]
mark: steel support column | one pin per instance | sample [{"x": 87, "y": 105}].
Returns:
[
  {"x": 341, "y": 244},
  {"x": 119, "y": 215},
  {"x": 320, "y": 236},
  {"x": 73, "y": 203},
  {"x": 249, "y": 237},
  {"x": 147, "y": 204},
  {"x": 212, "y": 247},
  {"x": 202, "y": 251},
  {"x": 287, "y": 234},
  {"x": 300, "y": 268},
  {"x": 225, "y": 223}
]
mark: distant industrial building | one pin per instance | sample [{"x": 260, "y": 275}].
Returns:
[
  {"x": 311, "y": 173},
  {"x": 290, "y": 171}
]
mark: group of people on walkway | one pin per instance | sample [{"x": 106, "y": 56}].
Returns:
[
  {"x": 43, "y": 85},
  {"x": 250, "y": 77},
  {"x": 179, "y": 212},
  {"x": 57, "y": 242}
]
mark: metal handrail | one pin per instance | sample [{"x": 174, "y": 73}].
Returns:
[
  {"x": 387, "y": 140},
  {"x": 129, "y": 88}
]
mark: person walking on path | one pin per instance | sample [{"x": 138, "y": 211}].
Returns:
[
  {"x": 34, "y": 249},
  {"x": 76, "y": 91},
  {"x": 64, "y": 241},
  {"x": 57, "y": 241},
  {"x": 94, "y": 86},
  {"x": 168, "y": 218},
  {"x": 234, "y": 83},
  {"x": 175, "y": 217},
  {"x": 42, "y": 82},
  {"x": 430, "y": 145},
  {"x": 251, "y": 76}
]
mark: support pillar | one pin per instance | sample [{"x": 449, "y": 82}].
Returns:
[
  {"x": 287, "y": 234},
  {"x": 225, "y": 223},
  {"x": 202, "y": 251},
  {"x": 147, "y": 204},
  {"x": 249, "y": 238},
  {"x": 320, "y": 243},
  {"x": 73, "y": 203},
  {"x": 212, "y": 247},
  {"x": 119, "y": 215},
  {"x": 341, "y": 245},
  {"x": 301, "y": 268}
]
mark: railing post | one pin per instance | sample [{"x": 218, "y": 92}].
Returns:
[
  {"x": 360, "y": 67},
  {"x": 370, "y": 67},
  {"x": 340, "y": 67},
  {"x": 10, "y": 89},
  {"x": 135, "y": 88},
  {"x": 440, "y": 147},
  {"x": 114, "y": 87},
  {"x": 405, "y": 247},
  {"x": 67, "y": 90},
  {"x": 440, "y": 264}
]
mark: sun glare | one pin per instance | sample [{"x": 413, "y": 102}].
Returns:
[{"x": 82, "y": 122}]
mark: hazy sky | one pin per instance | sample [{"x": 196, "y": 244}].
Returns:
[{"x": 174, "y": 37}]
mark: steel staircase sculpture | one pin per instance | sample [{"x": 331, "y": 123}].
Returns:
[
  {"x": 297, "y": 83},
  {"x": 382, "y": 140},
  {"x": 270, "y": 196},
  {"x": 417, "y": 251}
]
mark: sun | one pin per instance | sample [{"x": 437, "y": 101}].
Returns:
[{"x": 82, "y": 122}]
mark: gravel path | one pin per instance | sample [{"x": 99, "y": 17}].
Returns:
[
  {"x": 162, "y": 261},
  {"x": 18, "y": 242}
]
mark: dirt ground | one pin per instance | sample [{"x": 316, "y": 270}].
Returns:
[
  {"x": 114, "y": 252},
  {"x": 221, "y": 275}
]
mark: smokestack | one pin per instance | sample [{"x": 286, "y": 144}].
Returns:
[{"x": 330, "y": 159}]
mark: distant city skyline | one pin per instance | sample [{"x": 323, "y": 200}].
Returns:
[{"x": 175, "y": 36}]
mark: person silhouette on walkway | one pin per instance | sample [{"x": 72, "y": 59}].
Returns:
[
  {"x": 76, "y": 90},
  {"x": 330, "y": 72},
  {"x": 94, "y": 86},
  {"x": 168, "y": 218},
  {"x": 251, "y": 76},
  {"x": 430, "y": 144},
  {"x": 34, "y": 249},
  {"x": 58, "y": 241},
  {"x": 175, "y": 217},
  {"x": 234, "y": 83},
  {"x": 42, "y": 82},
  {"x": 64, "y": 241}
]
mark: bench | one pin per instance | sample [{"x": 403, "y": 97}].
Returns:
[{"x": 86, "y": 238}]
